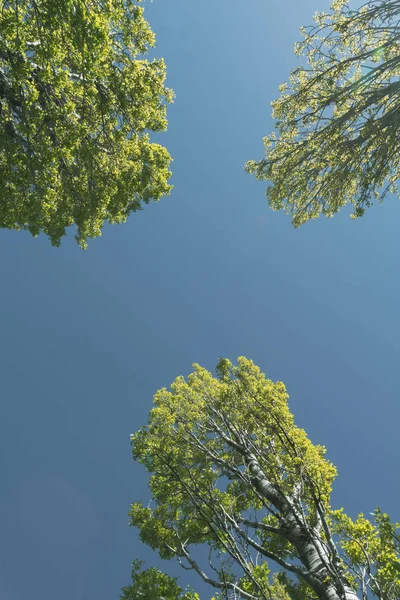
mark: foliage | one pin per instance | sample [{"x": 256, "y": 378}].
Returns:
[
  {"x": 338, "y": 117},
  {"x": 152, "y": 584},
  {"x": 371, "y": 551},
  {"x": 237, "y": 485},
  {"x": 76, "y": 104}
]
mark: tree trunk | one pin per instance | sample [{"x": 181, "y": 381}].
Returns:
[
  {"x": 315, "y": 560},
  {"x": 326, "y": 578}
]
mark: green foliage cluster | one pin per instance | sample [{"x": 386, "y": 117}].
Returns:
[
  {"x": 371, "y": 548},
  {"x": 77, "y": 102},
  {"x": 152, "y": 584},
  {"x": 337, "y": 119}
]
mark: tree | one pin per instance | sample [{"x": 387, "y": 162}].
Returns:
[
  {"x": 338, "y": 118},
  {"x": 236, "y": 485},
  {"x": 76, "y": 104}
]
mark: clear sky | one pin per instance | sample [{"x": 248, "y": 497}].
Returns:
[{"x": 88, "y": 337}]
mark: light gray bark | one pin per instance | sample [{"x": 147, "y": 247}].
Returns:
[{"x": 314, "y": 554}]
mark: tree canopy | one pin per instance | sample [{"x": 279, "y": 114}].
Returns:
[
  {"x": 338, "y": 117},
  {"x": 238, "y": 489},
  {"x": 77, "y": 100}
]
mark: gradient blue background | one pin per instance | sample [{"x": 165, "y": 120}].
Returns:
[{"x": 88, "y": 337}]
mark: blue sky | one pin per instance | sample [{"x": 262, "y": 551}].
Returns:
[{"x": 88, "y": 337}]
